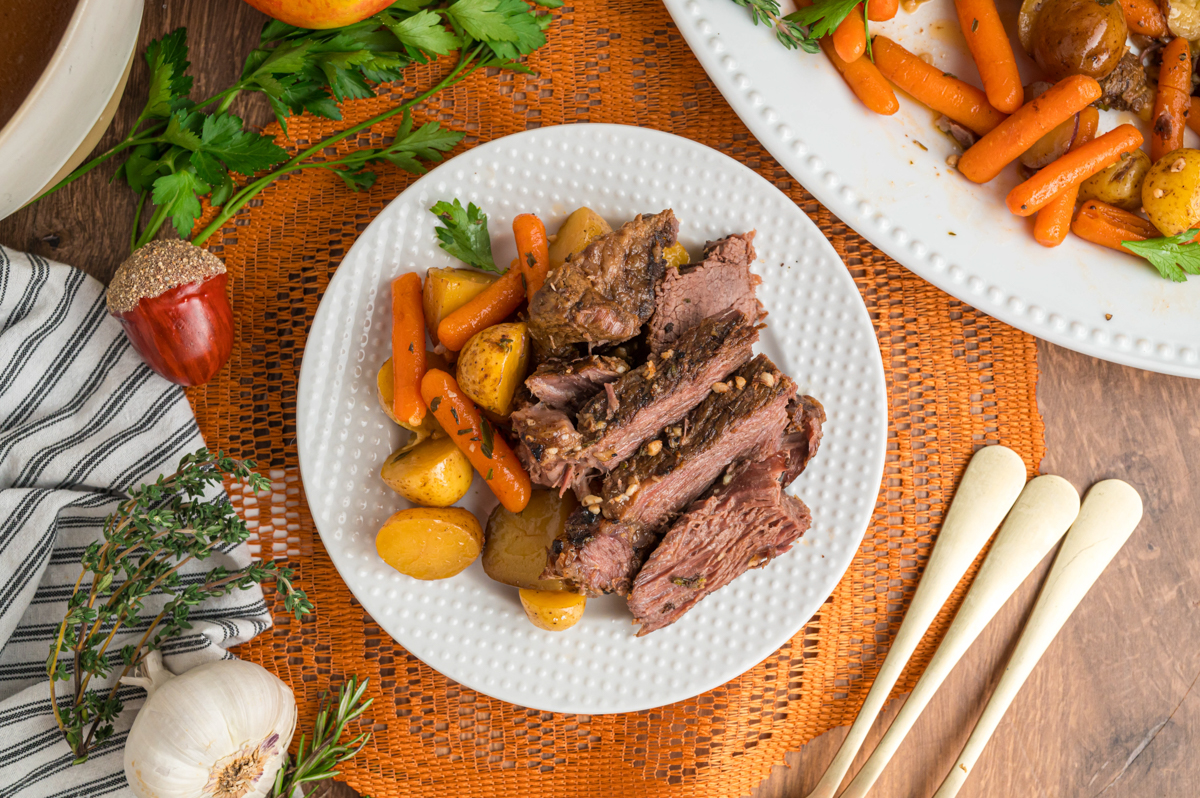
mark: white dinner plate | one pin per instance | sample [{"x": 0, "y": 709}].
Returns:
[
  {"x": 887, "y": 178},
  {"x": 473, "y": 629}
]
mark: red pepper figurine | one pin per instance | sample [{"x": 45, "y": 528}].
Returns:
[{"x": 170, "y": 298}]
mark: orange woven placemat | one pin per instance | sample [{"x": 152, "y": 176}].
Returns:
[{"x": 957, "y": 379}]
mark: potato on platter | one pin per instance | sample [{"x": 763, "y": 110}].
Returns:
[
  {"x": 553, "y": 611},
  {"x": 1171, "y": 191},
  {"x": 1120, "y": 184},
  {"x": 430, "y": 543},
  {"x": 517, "y": 543},
  {"x": 434, "y": 473},
  {"x": 447, "y": 290},
  {"x": 493, "y": 364},
  {"x": 580, "y": 229},
  {"x": 384, "y": 392}
]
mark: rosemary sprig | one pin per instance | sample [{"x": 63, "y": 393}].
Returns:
[
  {"x": 318, "y": 755},
  {"x": 789, "y": 33},
  {"x": 152, "y": 534},
  {"x": 803, "y": 29}
]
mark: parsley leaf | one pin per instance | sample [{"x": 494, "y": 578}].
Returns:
[
  {"x": 465, "y": 234},
  {"x": 167, "y": 59},
  {"x": 242, "y": 151},
  {"x": 489, "y": 437},
  {"x": 423, "y": 30},
  {"x": 1175, "y": 257},
  {"x": 179, "y": 192},
  {"x": 820, "y": 20}
]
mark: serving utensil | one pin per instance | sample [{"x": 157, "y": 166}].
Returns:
[
  {"x": 1044, "y": 510},
  {"x": 989, "y": 486},
  {"x": 1111, "y": 511}
]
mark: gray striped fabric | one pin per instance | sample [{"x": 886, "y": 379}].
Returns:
[{"x": 82, "y": 419}]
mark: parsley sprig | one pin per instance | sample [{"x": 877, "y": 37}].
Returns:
[
  {"x": 152, "y": 534},
  {"x": 1175, "y": 257},
  {"x": 803, "y": 29},
  {"x": 464, "y": 234},
  {"x": 181, "y": 150}
]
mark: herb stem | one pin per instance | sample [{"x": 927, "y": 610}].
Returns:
[
  {"x": 235, "y": 203},
  {"x": 132, "y": 140},
  {"x": 137, "y": 220},
  {"x": 152, "y": 227}
]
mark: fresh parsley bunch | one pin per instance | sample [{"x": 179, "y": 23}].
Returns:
[
  {"x": 181, "y": 150},
  {"x": 153, "y": 533},
  {"x": 1175, "y": 257}
]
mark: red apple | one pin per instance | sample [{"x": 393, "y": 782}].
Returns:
[
  {"x": 170, "y": 298},
  {"x": 320, "y": 14}
]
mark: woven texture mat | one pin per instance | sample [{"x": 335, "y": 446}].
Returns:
[{"x": 957, "y": 380}]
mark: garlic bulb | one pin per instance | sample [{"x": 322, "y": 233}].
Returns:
[{"x": 220, "y": 730}]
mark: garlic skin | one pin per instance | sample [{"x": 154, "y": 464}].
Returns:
[{"x": 220, "y": 730}]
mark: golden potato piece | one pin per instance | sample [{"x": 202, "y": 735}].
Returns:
[
  {"x": 434, "y": 473},
  {"x": 1120, "y": 184},
  {"x": 516, "y": 546},
  {"x": 385, "y": 392},
  {"x": 551, "y": 610},
  {"x": 493, "y": 364},
  {"x": 429, "y": 543},
  {"x": 447, "y": 290},
  {"x": 580, "y": 229},
  {"x": 1171, "y": 192},
  {"x": 676, "y": 256}
]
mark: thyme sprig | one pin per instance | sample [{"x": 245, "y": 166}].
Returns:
[
  {"x": 319, "y": 755},
  {"x": 155, "y": 531},
  {"x": 803, "y": 29},
  {"x": 789, "y": 33}
]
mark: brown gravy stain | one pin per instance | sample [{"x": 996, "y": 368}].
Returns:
[{"x": 30, "y": 31}]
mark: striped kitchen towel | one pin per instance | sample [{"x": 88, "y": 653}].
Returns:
[{"x": 82, "y": 419}]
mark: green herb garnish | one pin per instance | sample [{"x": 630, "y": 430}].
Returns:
[
  {"x": 152, "y": 534},
  {"x": 464, "y": 234},
  {"x": 489, "y": 437},
  {"x": 321, "y": 752},
  {"x": 1175, "y": 257},
  {"x": 804, "y": 29}
]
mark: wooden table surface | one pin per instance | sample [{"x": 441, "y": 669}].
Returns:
[{"x": 1111, "y": 709}]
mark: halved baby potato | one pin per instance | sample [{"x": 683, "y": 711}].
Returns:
[
  {"x": 434, "y": 473},
  {"x": 553, "y": 611},
  {"x": 385, "y": 393},
  {"x": 581, "y": 228},
  {"x": 493, "y": 364},
  {"x": 447, "y": 290},
  {"x": 429, "y": 543},
  {"x": 517, "y": 543}
]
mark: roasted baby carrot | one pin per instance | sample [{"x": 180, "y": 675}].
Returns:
[
  {"x": 1144, "y": 17},
  {"x": 488, "y": 452},
  {"x": 992, "y": 52},
  {"x": 1053, "y": 221},
  {"x": 408, "y": 349},
  {"x": 988, "y": 157},
  {"x": 1072, "y": 169},
  {"x": 850, "y": 36},
  {"x": 533, "y": 250},
  {"x": 882, "y": 10},
  {"x": 1108, "y": 226},
  {"x": 1173, "y": 101},
  {"x": 865, "y": 80},
  {"x": 947, "y": 95},
  {"x": 491, "y": 306}
]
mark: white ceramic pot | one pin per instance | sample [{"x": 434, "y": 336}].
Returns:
[{"x": 73, "y": 102}]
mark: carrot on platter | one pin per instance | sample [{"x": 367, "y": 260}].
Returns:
[
  {"x": 1072, "y": 169},
  {"x": 947, "y": 95},
  {"x": 850, "y": 36},
  {"x": 1004, "y": 144},
  {"x": 488, "y": 452},
  {"x": 533, "y": 251},
  {"x": 408, "y": 349},
  {"x": 1108, "y": 226},
  {"x": 491, "y": 306},
  {"x": 865, "y": 80},
  {"x": 882, "y": 10},
  {"x": 1144, "y": 17},
  {"x": 992, "y": 52},
  {"x": 1173, "y": 100},
  {"x": 1053, "y": 221}
]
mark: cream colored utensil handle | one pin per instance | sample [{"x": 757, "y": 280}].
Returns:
[
  {"x": 1036, "y": 522},
  {"x": 989, "y": 486},
  {"x": 1111, "y": 510}
]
